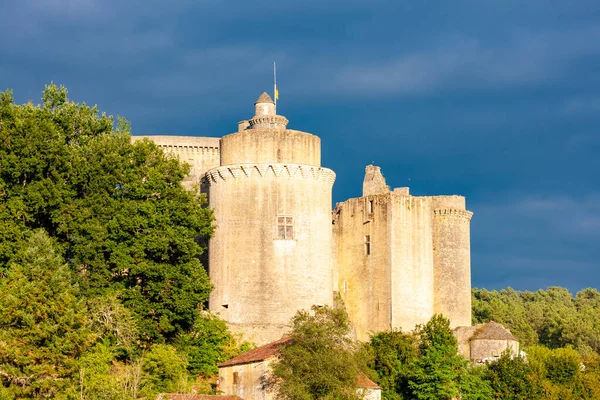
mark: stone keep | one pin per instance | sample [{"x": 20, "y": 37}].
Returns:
[
  {"x": 271, "y": 252},
  {"x": 401, "y": 258},
  {"x": 395, "y": 259}
]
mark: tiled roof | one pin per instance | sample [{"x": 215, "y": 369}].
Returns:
[
  {"x": 365, "y": 382},
  {"x": 179, "y": 396},
  {"x": 264, "y": 98},
  {"x": 493, "y": 331},
  {"x": 258, "y": 354}
]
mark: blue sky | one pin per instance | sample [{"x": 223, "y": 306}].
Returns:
[{"x": 497, "y": 100}]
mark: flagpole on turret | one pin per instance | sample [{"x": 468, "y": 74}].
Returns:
[{"x": 275, "y": 92}]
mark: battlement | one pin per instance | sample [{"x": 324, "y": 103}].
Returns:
[
  {"x": 245, "y": 171},
  {"x": 454, "y": 213},
  {"x": 185, "y": 143},
  {"x": 268, "y": 121}
]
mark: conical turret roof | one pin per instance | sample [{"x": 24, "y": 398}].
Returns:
[{"x": 264, "y": 98}]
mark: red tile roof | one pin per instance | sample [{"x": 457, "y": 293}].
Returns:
[
  {"x": 365, "y": 382},
  {"x": 179, "y": 396},
  {"x": 259, "y": 354}
]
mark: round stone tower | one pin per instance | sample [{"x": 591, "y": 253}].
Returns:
[
  {"x": 452, "y": 259},
  {"x": 271, "y": 253}
]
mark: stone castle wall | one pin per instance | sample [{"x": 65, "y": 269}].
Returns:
[
  {"x": 396, "y": 259},
  {"x": 260, "y": 279},
  {"x": 452, "y": 259},
  {"x": 417, "y": 262},
  {"x": 363, "y": 279},
  {"x": 271, "y": 252},
  {"x": 201, "y": 153},
  {"x": 412, "y": 261},
  {"x": 274, "y": 146}
]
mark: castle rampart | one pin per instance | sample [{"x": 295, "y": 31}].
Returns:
[{"x": 201, "y": 153}]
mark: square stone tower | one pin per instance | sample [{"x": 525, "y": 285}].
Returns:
[{"x": 401, "y": 258}]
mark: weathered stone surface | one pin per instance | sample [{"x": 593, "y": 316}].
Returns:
[
  {"x": 201, "y": 153},
  {"x": 396, "y": 259}
]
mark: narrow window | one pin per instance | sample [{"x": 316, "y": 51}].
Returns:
[
  {"x": 345, "y": 287},
  {"x": 370, "y": 207},
  {"x": 236, "y": 378},
  {"x": 367, "y": 245},
  {"x": 285, "y": 227}
]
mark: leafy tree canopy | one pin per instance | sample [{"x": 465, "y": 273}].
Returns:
[
  {"x": 321, "y": 362},
  {"x": 552, "y": 317},
  {"x": 42, "y": 322},
  {"x": 116, "y": 209}
]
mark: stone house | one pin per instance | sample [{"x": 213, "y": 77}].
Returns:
[
  {"x": 247, "y": 375},
  {"x": 485, "y": 342}
]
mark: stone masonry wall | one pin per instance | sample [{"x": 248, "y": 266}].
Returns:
[
  {"x": 412, "y": 261},
  {"x": 363, "y": 279},
  {"x": 452, "y": 259},
  {"x": 201, "y": 153},
  {"x": 261, "y": 280},
  {"x": 267, "y": 146}
]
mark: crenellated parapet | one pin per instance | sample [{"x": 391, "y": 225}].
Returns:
[
  {"x": 268, "y": 121},
  {"x": 467, "y": 215},
  {"x": 289, "y": 171}
]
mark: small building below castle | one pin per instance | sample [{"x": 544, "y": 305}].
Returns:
[
  {"x": 249, "y": 375},
  {"x": 485, "y": 342}
]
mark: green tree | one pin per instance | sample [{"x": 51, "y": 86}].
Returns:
[
  {"x": 97, "y": 376},
  {"x": 512, "y": 378},
  {"x": 165, "y": 371},
  {"x": 42, "y": 322},
  {"x": 116, "y": 208},
  {"x": 440, "y": 373},
  {"x": 321, "y": 362},
  {"x": 207, "y": 344},
  {"x": 394, "y": 351},
  {"x": 551, "y": 317}
]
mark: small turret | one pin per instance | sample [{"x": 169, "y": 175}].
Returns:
[
  {"x": 265, "y": 114},
  {"x": 264, "y": 106}
]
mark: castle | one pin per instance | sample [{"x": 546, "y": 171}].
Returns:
[{"x": 395, "y": 259}]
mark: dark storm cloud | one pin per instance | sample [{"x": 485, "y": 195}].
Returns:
[{"x": 496, "y": 100}]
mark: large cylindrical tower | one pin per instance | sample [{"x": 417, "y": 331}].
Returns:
[
  {"x": 271, "y": 253},
  {"x": 452, "y": 259}
]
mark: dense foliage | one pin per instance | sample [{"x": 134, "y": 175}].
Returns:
[
  {"x": 558, "y": 332},
  {"x": 553, "y": 317},
  {"x": 425, "y": 365},
  {"x": 101, "y": 285},
  {"x": 321, "y": 362},
  {"x": 102, "y": 289}
]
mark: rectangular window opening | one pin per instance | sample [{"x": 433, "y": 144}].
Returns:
[
  {"x": 370, "y": 207},
  {"x": 285, "y": 227},
  {"x": 368, "y": 245},
  {"x": 345, "y": 287},
  {"x": 236, "y": 378}
]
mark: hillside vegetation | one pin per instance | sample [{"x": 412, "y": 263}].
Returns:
[{"x": 101, "y": 287}]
